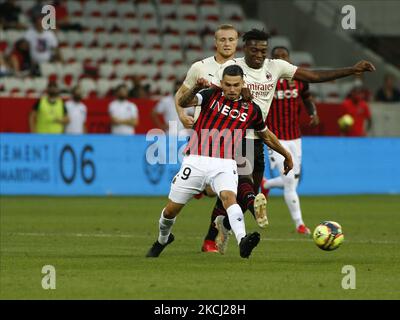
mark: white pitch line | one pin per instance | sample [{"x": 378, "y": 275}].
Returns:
[{"x": 114, "y": 235}]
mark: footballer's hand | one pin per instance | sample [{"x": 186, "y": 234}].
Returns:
[
  {"x": 187, "y": 121},
  {"x": 363, "y": 66},
  {"x": 287, "y": 164},
  {"x": 314, "y": 120},
  {"x": 202, "y": 83},
  {"x": 246, "y": 94}
]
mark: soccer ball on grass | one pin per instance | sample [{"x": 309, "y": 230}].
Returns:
[{"x": 328, "y": 235}]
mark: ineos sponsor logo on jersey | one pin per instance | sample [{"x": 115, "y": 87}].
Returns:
[
  {"x": 286, "y": 94},
  {"x": 228, "y": 111}
]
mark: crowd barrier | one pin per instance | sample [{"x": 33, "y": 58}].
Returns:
[{"x": 100, "y": 165}]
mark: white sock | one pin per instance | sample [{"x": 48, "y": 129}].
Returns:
[
  {"x": 274, "y": 183},
  {"x": 165, "y": 226},
  {"x": 236, "y": 220},
  {"x": 292, "y": 200}
]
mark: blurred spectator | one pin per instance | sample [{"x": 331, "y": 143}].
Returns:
[
  {"x": 62, "y": 21},
  {"x": 43, "y": 43},
  {"x": 123, "y": 113},
  {"x": 166, "y": 108},
  {"x": 49, "y": 114},
  {"x": 360, "y": 117},
  {"x": 138, "y": 90},
  {"x": 36, "y": 10},
  {"x": 20, "y": 59},
  {"x": 4, "y": 69},
  {"x": 77, "y": 112},
  {"x": 9, "y": 15},
  {"x": 388, "y": 93}
]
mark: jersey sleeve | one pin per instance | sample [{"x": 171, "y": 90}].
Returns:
[
  {"x": 286, "y": 69},
  {"x": 258, "y": 121},
  {"x": 204, "y": 96},
  {"x": 192, "y": 75}
]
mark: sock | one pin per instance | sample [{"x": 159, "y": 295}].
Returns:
[
  {"x": 245, "y": 195},
  {"x": 257, "y": 178},
  {"x": 292, "y": 199},
  {"x": 236, "y": 219},
  {"x": 274, "y": 183},
  {"x": 165, "y": 226},
  {"x": 218, "y": 210}
]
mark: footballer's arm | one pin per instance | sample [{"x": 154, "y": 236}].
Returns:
[
  {"x": 272, "y": 141},
  {"x": 186, "y": 120},
  {"x": 189, "y": 99},
  {"x": 308, "y": 75}
]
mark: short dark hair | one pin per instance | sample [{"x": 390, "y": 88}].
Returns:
[
  {"x": 233, "y": 70},
  {"x": 279, "y": 47},
  {"x": 255, "y": 34}
]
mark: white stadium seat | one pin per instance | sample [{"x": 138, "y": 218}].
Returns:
[
  {"x": 302, "y": 58},
  {"x": 171, "y": 41},
  {"x": 232, "y": 11},
  {"x": 193, "y": 56},
  {"x": 103, "y": 86},
  {"x": 249, "y": 24},
  {"x": 279, "y": 41},
  {"x": 106, "y": 70},
  {"x": 146, "y": 10},
  {"x": 126, "y": 9},
  {"x": 209, "y": 12}
]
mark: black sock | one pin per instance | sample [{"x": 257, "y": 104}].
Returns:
[{"x": 245, "y": 196}]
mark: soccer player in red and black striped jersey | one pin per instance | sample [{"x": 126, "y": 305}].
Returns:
[
  {"x": 211, "y": 152},
  {"x": 283, "y": 121}
]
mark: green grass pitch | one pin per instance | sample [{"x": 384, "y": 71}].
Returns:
[{"x": 97, "y": 246}]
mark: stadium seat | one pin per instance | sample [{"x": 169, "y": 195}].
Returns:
[
  {"x": 88, "y": 87},
  {"x": 209, "y": 42},
  {"x": 173, "y": 56},
  {"x": 39, "y": 84},
  {"x": 127, "y": 10},
  {"x": 346, "y": 87},
  {"x": 165, "y": 87},
  {"x": 146, "y": 10},
  {"x": 103, "y": 87},
  {"x": 181, "y": 71},
  {"x": 170, "y": 26},
  {"x": 166, "y": 10},
  {"x": 14, "y": 86},
  {"x": 192, "y": 42},
  {"x": 74, "y": 8},
  {"x": 95, "y": 24},
  {"x": 151, "y": 71},
  {"x": 157, "y": 56},
  {"x": 127, "y": 55},
  {"x": 88, "y": 38},
  {"x": 302, "y": 58},
  {"x": 280, "y": 41},
  {"x": 189, "y": 27},
  {"x": 208, "y": 26},
  {"x": 106, "y": 70},
  {"x": 137, "y": 69},
  {"x": 97, "y": 54},
  {"x": 68, "y": 54},
  {"x": 143, "y": 55},
  {"x": 170, "y": 41},
  {"x": 122, "y": 71},
  {"x": 11, "y": 36},
  {"x": 113, "y": 55},
  {"x": 152, "y": 41},
  {"x": 193, "y": 56},
  {"x": 47, "y": 69},
  {"x": 83, "y": 54},
  {"x": 249, "y": 24},
  {"x": 330, "y": 92},
  {"x": 74, "y": 39},
  {"x": 148, "y": 26},
  {"x": 131, "y": 25},
  {"x": 187, "y": 11},
  {"x": 114, "y": 24},
  {"x": 91, "y": 8},
  {"x": 108, "y": 8},
  {"x": 209, "y": 12},
  {"x": 168, "y": 72},
  {"x": 232, "y": 11},
  {"x": 119, "y": 40}
]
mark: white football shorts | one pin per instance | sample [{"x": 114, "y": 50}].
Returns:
[
  {"x": 198, "y": 171},
  {"x": 276, "y": 159}
]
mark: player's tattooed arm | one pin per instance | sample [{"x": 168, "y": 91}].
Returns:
[
  {"x": 307, "y": 75},
  {"x": 272, "y": 141},
  {"x": 189, "y": 99},
  {"x": 186, "y": 120}
]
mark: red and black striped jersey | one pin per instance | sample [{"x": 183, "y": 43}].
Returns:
[
  {"x": 222, "y": 124},
  {"x": 284, "y": 114}
]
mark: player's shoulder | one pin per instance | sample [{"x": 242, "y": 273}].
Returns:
[{"x": 204, "y": 62}]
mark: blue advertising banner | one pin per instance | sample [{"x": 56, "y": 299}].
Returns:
[{"x": 116, "y": 165}]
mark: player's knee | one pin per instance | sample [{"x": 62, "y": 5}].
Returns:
[
  {"x": 172, "y": 210},
  {"x": 228, "y": 198}
]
